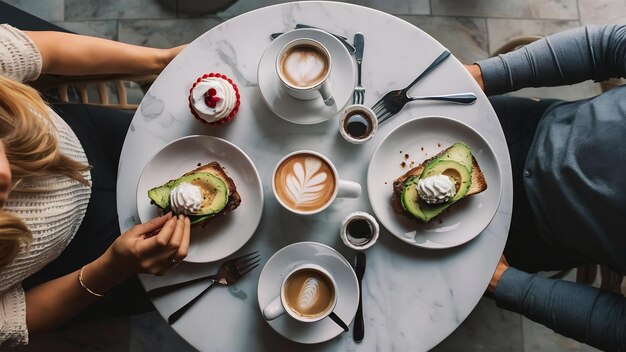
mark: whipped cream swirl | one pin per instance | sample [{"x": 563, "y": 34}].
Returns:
[
  {"x": 436, "y": 189},
  {"x": 186, "y": 199},
  {"x": 225, "y": 102}
]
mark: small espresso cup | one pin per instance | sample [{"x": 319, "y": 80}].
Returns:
[
  {"x": 359, "y": 230},
  {"x": 308, "y": 294},
  {"x": 306, "y": 182},
  {"x": 303, "y": 66},
  {"x": 357, "y": 123}
]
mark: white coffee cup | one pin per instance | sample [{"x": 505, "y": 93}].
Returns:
[
  {"x": 359, "y": 230},
  {"x": 357, "y": 123},
  {"x": 308, "y": 293},
  {"x": 303, "y": 66},
  {"x": 306, "y": 182}
]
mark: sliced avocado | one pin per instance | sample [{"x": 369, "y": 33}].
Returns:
[
  {"x": 214, "y": 191},
  {"x": 459, "y": 152},
  {"x": 420, "y": 209},
  {"x": 460, "y": 175}
]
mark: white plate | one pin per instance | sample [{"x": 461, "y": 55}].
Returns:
[
  {"x": 306, "y": 112},
  {"x": 225, "y": 234},
  {"x": 465, "y": 219},
  {"x": 287, "y": 258}
]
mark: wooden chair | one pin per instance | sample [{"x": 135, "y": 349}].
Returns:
[
  {"x": 109, "y": 90},
  {"x": 586, "y": 274}
]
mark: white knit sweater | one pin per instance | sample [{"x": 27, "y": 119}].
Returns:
[{"x": 53, "y": 215}]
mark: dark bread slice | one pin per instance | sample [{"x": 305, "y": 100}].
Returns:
[{"x": 478, "y": 185}]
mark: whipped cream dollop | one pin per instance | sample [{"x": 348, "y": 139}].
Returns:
[
  {"x": 213, "y": 98},
  {"x": 186, "y": 199},
  {"x": 436, "y": 189}
]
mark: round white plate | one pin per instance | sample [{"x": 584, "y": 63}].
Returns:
[
  {"x": 225, "y": 234},
  {"x": 421, "y": 138},
  {"x": 287, "y": 258},
  {"x": 306, "y": 112}
]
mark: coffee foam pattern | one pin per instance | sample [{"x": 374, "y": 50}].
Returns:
[
  {"x": 309, "y": 294},
  {"x": 304, "y": 68},
  {"x": 308, "y": 182}
]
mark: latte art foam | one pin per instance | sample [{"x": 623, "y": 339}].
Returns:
[
  {"x": 309, "y": 293},
  {"x": 304, "y": 182},
  {"x": 304, "y": 66}
]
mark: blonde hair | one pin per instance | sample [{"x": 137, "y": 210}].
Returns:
[{"x": 32, "y": 151}]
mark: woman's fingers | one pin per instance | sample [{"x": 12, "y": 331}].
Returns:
[
  {"x": 151, "y": 225},
  {"x": 183, "y": 249},
  {"x": 159, "y": 243}
]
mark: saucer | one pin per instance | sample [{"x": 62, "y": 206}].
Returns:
[
  {"x": 306, "y": 112},
  {"x": 287, "y": 258}
]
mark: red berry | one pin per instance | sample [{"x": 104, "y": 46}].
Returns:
[
  {"x": 211, "y": 74},
  {"x": 205, "y": 75},
  {"x": 211, "y": 103},
  {"x": 215, "y": 98},
  {"x": 212, "y": 92},
  {"x": 207, "y": 99}
]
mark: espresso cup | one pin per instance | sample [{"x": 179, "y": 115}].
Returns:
[
  {"x": 308, "y": 294},
  {"x": 306, "y": 182},
  {"x": 303, "y": 66},
  {"x": 359, "y": 230},
  {"x": 357, "y": 123}
]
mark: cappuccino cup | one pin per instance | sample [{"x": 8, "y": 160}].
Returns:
[
  {"x": 303, "y": 67},
  {"x": 306, "y": 182},
  {"x": 308, "y": 293}
]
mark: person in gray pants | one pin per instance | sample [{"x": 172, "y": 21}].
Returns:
[{"x": 569, "y": 167}]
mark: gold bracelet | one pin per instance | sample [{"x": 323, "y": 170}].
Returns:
[{"x": 80, "y": 280}]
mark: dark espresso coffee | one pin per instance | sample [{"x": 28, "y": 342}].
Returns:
[
  {"x": 358, "y": 124},
  {"x": 359, "y": 231}
]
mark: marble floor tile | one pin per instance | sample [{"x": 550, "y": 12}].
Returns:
[
  {"x": 49, "y": 10},
  {"x": 102, "y": 29},
  {"x": 164, "y": 33},
  {"x": 602, "y": 11},
  {"x": 549, "y": 9},
  {"x": 487, "y": 328},
  {"x": 150, "y": 333},
  {"x": 502, "y": 30},
  {"x": 115, "y": 9},
  {"x": 108, "y": 335},
  {"x": 465, "y": 37}
]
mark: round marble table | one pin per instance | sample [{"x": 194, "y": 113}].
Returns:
[{"x": 413, "y": 298}]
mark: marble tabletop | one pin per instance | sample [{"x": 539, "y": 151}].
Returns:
[{"x": 413, "y": 298}]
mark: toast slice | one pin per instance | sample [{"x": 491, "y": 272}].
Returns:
[
  {"x": 162, "y": 193},
  {"x": 479, "y": 183},
  {"x": 234, "y": 199}
]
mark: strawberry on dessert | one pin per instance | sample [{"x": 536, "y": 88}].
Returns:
[{"x": 214, "y": 99}]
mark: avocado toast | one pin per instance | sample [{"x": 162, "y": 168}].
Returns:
[
  {"x": 456, "y": 162},
  {"x": 219, "y": 193}
]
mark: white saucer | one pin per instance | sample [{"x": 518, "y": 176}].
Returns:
[
  {"x": 422, "y": 138},
  {"x": 225, "y": 234},
  {"x": 288, "y": 258},
  {"x": 306, "y": 112}
]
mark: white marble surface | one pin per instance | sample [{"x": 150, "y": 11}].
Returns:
[{"x": 413, "y": 298}]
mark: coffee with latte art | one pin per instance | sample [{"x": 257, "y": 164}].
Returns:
[
  {"x": 304, "y": 182},
  {"x": 309, "y": 293},
  {"x": 304, "y": 66}
]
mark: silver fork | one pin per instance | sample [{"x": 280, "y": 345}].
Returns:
[
  {"x": 229, "y": 272},
  {"x": 358, "y": 97},
  {"x": 392, "y": 104}
]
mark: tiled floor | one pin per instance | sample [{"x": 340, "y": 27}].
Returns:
[{"x": 471, "y": 29}]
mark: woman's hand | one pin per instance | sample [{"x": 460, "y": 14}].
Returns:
[
  {"x": 168, "y": 55},
  {"x": 475, "y": 71},
  {"x": 133, "y": 252}
]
